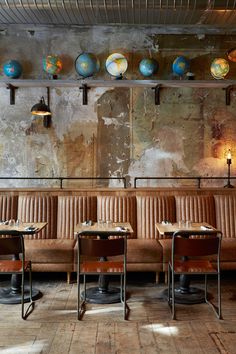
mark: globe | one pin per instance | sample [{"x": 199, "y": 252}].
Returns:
[
  {"x": 12, "y": 69},
  {"x": 180, "y": 66},
  {"x": 148, "y": 67},
  {"x": 219, "y": 68},
  {"x": 231, "y": 54},
  {"x": 52, "y": 64},
  {"x": 87, "y": 64},
  {"x": 116, "y": 65}
]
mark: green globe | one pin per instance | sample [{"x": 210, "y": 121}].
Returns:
[
  {"x": 219, "y": 68},
  {"x": 52, "y": 64}
]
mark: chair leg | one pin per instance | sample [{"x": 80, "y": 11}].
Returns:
[
  {"x": 169, "y": 284},
  {"x": 157, "y": 277},
  {"x": 219, "y": 296},
  {"x": 216, "y": 308},
  {"x": 30, "y": 281},
  {"x": 206, "y": 299},
  {"x": 85, "y": 287},
  {"x": 30, "y": 308},
  {"x": 173, "y": 295},
  {"x": 81, "y": 304},
  {"x": 124, "y": 298},
  {"x": 22, "y": 296},
  {"x": 166, "y": 277},
  {"x": 126, "y": 307},
  {"x": 78, "y": 297},
  {"x": 68, "y": 277}
]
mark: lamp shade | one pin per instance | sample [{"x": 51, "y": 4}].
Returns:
[{"x": 41, "y": 109}]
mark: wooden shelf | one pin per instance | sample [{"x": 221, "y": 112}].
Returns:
[
  {"x": 85, "y": 84},
  {"x": 118, "y": 83}
]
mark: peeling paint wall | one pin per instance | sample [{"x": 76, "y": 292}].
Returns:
[{"x": 121, "y": 132}]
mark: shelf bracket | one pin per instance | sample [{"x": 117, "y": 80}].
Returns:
[
  {"x": 12, "y": 93},
  {"x": 157, "y": 94},
  {"x": 85, "y": 89},
  {"x": 227, "y": 94}
]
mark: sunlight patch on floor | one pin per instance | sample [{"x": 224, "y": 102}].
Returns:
[
  {"x": 25, "y": 348},
  {"x": 160, "y": 328},
  {"x": 107, "y": 309}
]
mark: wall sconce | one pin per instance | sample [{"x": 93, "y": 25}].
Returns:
[
  {"x": 229, "y": 161},
  {"x": 42, "y": 109}
]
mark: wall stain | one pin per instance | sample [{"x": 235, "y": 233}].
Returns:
[
  {"x": 121, "y": 132},
  {"x": 113, "y": 133}
]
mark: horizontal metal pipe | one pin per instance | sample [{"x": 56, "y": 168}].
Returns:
[
  {"x": 198, "y": 179},
  {"x": 61, "y": 179}
]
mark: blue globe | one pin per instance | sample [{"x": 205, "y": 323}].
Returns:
[
  {"x": 148, "y": 67},
  {"x": 12, "y": 69},
  {"x": 180, "y": 66},
  {"x": 87, "y": 64}
]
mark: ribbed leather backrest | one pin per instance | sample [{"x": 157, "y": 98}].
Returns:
[
  {"x": 226, "y": 215},
  {"x": 118, "y": 209},
  {"x": 153, "y": 209},
  {"x": 73, "y": 210},
  {"x": 196, "y": 208},
  {"x": 8, "y": 207},
  {"x": 39, "y": 208}
]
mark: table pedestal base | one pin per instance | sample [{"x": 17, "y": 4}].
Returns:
[
  {"x": 96, "y": 296},
  {"x": 193, "y": 296},
  {"x": 8, "y": 296}
]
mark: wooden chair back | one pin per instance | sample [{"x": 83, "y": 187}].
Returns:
[
  {"x": 11, "y": 244},
  {"x": 185, "y": 244},
  {"x": 100, "y": 247}
]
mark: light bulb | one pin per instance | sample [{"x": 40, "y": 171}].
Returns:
[{"x": 229, "y": 155}]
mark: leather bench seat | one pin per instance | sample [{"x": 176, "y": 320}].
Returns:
[
  {"x": 228, "y": 251},
  {"x": 144, "y": 251},
  {"x": 166, "y": 252},
  {"x": 55, "y": 248},
  {"x": 144, "y": 255},
  {"x": 50, "y": 250}
]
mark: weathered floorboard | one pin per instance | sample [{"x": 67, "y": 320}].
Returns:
[{"x": 53, "y": 327}]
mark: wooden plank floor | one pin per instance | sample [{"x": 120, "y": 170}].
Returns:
[{"x": 53, "y": 328}]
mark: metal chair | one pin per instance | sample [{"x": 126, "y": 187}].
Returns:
[
  {"x": 14, "y": 245},
  {"x": 195, "y": 244},
  {"x": 101, "y": 248}
]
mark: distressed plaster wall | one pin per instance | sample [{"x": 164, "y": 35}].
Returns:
[{"x": 121, "y": 132}]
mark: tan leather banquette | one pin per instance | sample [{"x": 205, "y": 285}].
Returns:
[{"x": 55, "y": 248}]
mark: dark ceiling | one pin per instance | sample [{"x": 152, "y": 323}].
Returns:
[{"x": 171, "y": 16}]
